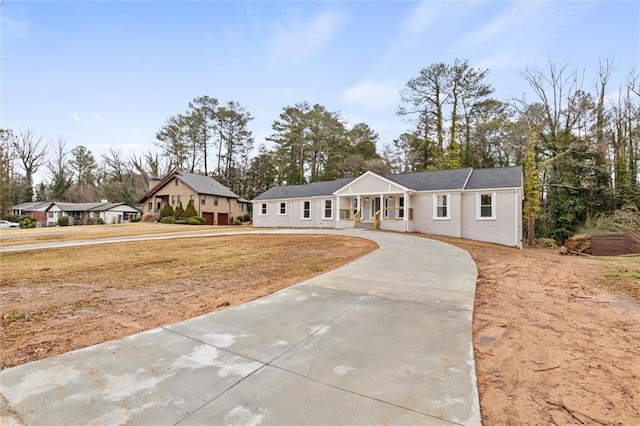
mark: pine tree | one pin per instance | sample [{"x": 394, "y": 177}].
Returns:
[
  {"x": 166, "y": 211},
  {"x": 179, "y": 212},
  {"x": 190, "y": 211}
]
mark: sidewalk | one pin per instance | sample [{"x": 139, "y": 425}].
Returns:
[{"x": 385, "y": 339}]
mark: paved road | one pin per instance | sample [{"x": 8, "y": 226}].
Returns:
[{"x": 385, "y": 339}]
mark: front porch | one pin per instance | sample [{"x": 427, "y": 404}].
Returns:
[{"x": 384, "y": 211}]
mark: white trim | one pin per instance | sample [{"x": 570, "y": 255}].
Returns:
[
  {"x": 324, "y": 208},
  {"x": 401, "y": 188},
  {"x": 479, "y": 207},
  {"x": 280, "y": 204},
  {"x": 302, "y": 209},
  {"x": 266, "y": 209},
  {"x": 435, "y": 207}
]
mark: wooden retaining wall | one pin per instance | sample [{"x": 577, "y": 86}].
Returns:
[{"x": 613, "y": 244}]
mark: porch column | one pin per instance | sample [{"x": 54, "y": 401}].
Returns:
[
  {"x": 405, "y": 215},
  {"x": 381, "y": 207},
  {"x": 358, "y": 205}
]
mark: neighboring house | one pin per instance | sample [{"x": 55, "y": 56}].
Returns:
[
  {"x": 478, "y": 204},
  {"x": 36, "y": 210},
  {"x": 212, "y": 200},
  {"x": 47, "y": 213}
]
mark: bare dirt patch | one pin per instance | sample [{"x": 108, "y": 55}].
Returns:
[
  {"x": 556, "y": 338},
  {"x": 54, "y": 301}
]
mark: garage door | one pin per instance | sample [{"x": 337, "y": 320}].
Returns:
[
  {"x": 223, "y": 218},
  {"x": 208, "y": 218}
]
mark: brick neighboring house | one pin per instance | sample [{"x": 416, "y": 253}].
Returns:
[{"x": 216, "y": 203}]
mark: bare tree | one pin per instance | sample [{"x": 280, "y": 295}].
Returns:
[{"x": 31, "y": 155}]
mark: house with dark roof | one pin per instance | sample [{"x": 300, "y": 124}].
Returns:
[
  {"x": 216, "y": 203},
  {"x": 478, "y": 204},
  {"x": 46, "y": 213}
]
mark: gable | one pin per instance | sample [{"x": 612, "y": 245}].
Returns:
[
  {"x": 200, "y": 184},
  {"x": 371, "y": 183}
]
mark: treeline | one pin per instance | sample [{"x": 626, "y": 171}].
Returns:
[{"x": 579, "y": 145}]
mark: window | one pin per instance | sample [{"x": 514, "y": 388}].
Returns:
[
  {"x": 401, "y": 205},
  {"x": 50, "y": 214},
  {"x": 179, "y": 200},
  {"x": 328, "y": 209},
  {"x": 263, "y": 209},
  {"x": 283, "y": 209},
  {"x": 306, "y": 209},
  {"x": 215, "y": 200},
  {"x": 486, "y": 206},
  {"x": 173, "y": 200},
  {"x": 150, "y": 207},
  {"x": 441, "y": 206},
  {"x": 203, "y": 199},
  {"x": 191, "y": 197},
  {"x": 176, "y": 182}
]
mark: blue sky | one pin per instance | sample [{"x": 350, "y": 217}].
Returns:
[{"x": 108, "y": 74}]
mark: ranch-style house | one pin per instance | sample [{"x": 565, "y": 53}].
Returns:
[{"x": 478, "y": 204}]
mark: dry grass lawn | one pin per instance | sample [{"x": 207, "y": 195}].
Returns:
[{"x": 53, "y": 301}]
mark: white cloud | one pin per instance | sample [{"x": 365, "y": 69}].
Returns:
[
  {"x": 75, "y": 117},
  {"x": 14, "y": 28},
  {"x": 97, "y": 117},
  {"x": 420, "y": 18},
  {"x": 299, "y": 40},
  {"x": 370, "y": 93}
]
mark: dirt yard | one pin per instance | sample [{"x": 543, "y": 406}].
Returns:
[{"x": 557, "y": 339}]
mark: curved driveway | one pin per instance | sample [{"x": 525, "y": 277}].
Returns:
[{"x": 385, "y": 339}]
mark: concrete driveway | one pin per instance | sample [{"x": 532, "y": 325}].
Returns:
[{"x": 385, "y": 339}]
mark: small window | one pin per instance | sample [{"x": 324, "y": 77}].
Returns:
[
  {"x": 176, "y": 182},
  {"x": 203, "y": 199},
  {"x": 263, "y": 209},
  {"x": 401, "y": 205},
  {"x": 173, "y": 200},
  {"x": 150, "y": 207},
  {"x": 191, "y": 198},
  {"x": 328, "y": 209},
  {"x": 179, "y": 199},
  {"x": 486, "y": 206},
  {"x": 306, "y": 209},
  {"x": 283, "y": 208},
  {"x": 441, "y": 206},
  {"x": 215, "y": 200}
]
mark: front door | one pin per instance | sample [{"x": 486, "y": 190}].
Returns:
[
  {"x": 223, "y": 218},
  {"x": 375, "y": 206}
]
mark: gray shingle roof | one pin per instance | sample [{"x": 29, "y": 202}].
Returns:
[
  {"x": 314, "y": 189},
  {"x": 33, "y": 206},
  {"x": 454, "y": 179},
  {"x": 434, "y": 180},
  {"x": 206, "y": 185},
  {"x": 499, "y": 177}
]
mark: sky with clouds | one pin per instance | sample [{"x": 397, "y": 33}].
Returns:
[{"x": 108, "y": 74}]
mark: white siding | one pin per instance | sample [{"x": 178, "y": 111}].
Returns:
[{"x": 506, "y": 229}]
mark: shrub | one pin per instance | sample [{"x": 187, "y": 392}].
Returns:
[
  {"x": 247, "y": 218},
  {"x": 135, "y": 219},
  {"x": 198, "y": 218},
  {"x": 166, "y": 211},
  {"x": 168, "y": 219},
  {"x": 27, "y": 222},
  {"x": 100, "y": 221},
  {"x": 181, "y": 221},
  {"x": 190, "y": 211},
  {"x": 63, "y": 221},
  {"x": 179, "y": 213},
  {"x": 194, "y": 221},
  {"x": 237, "y": 222},
  {"x": 546, "y": 242}
]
